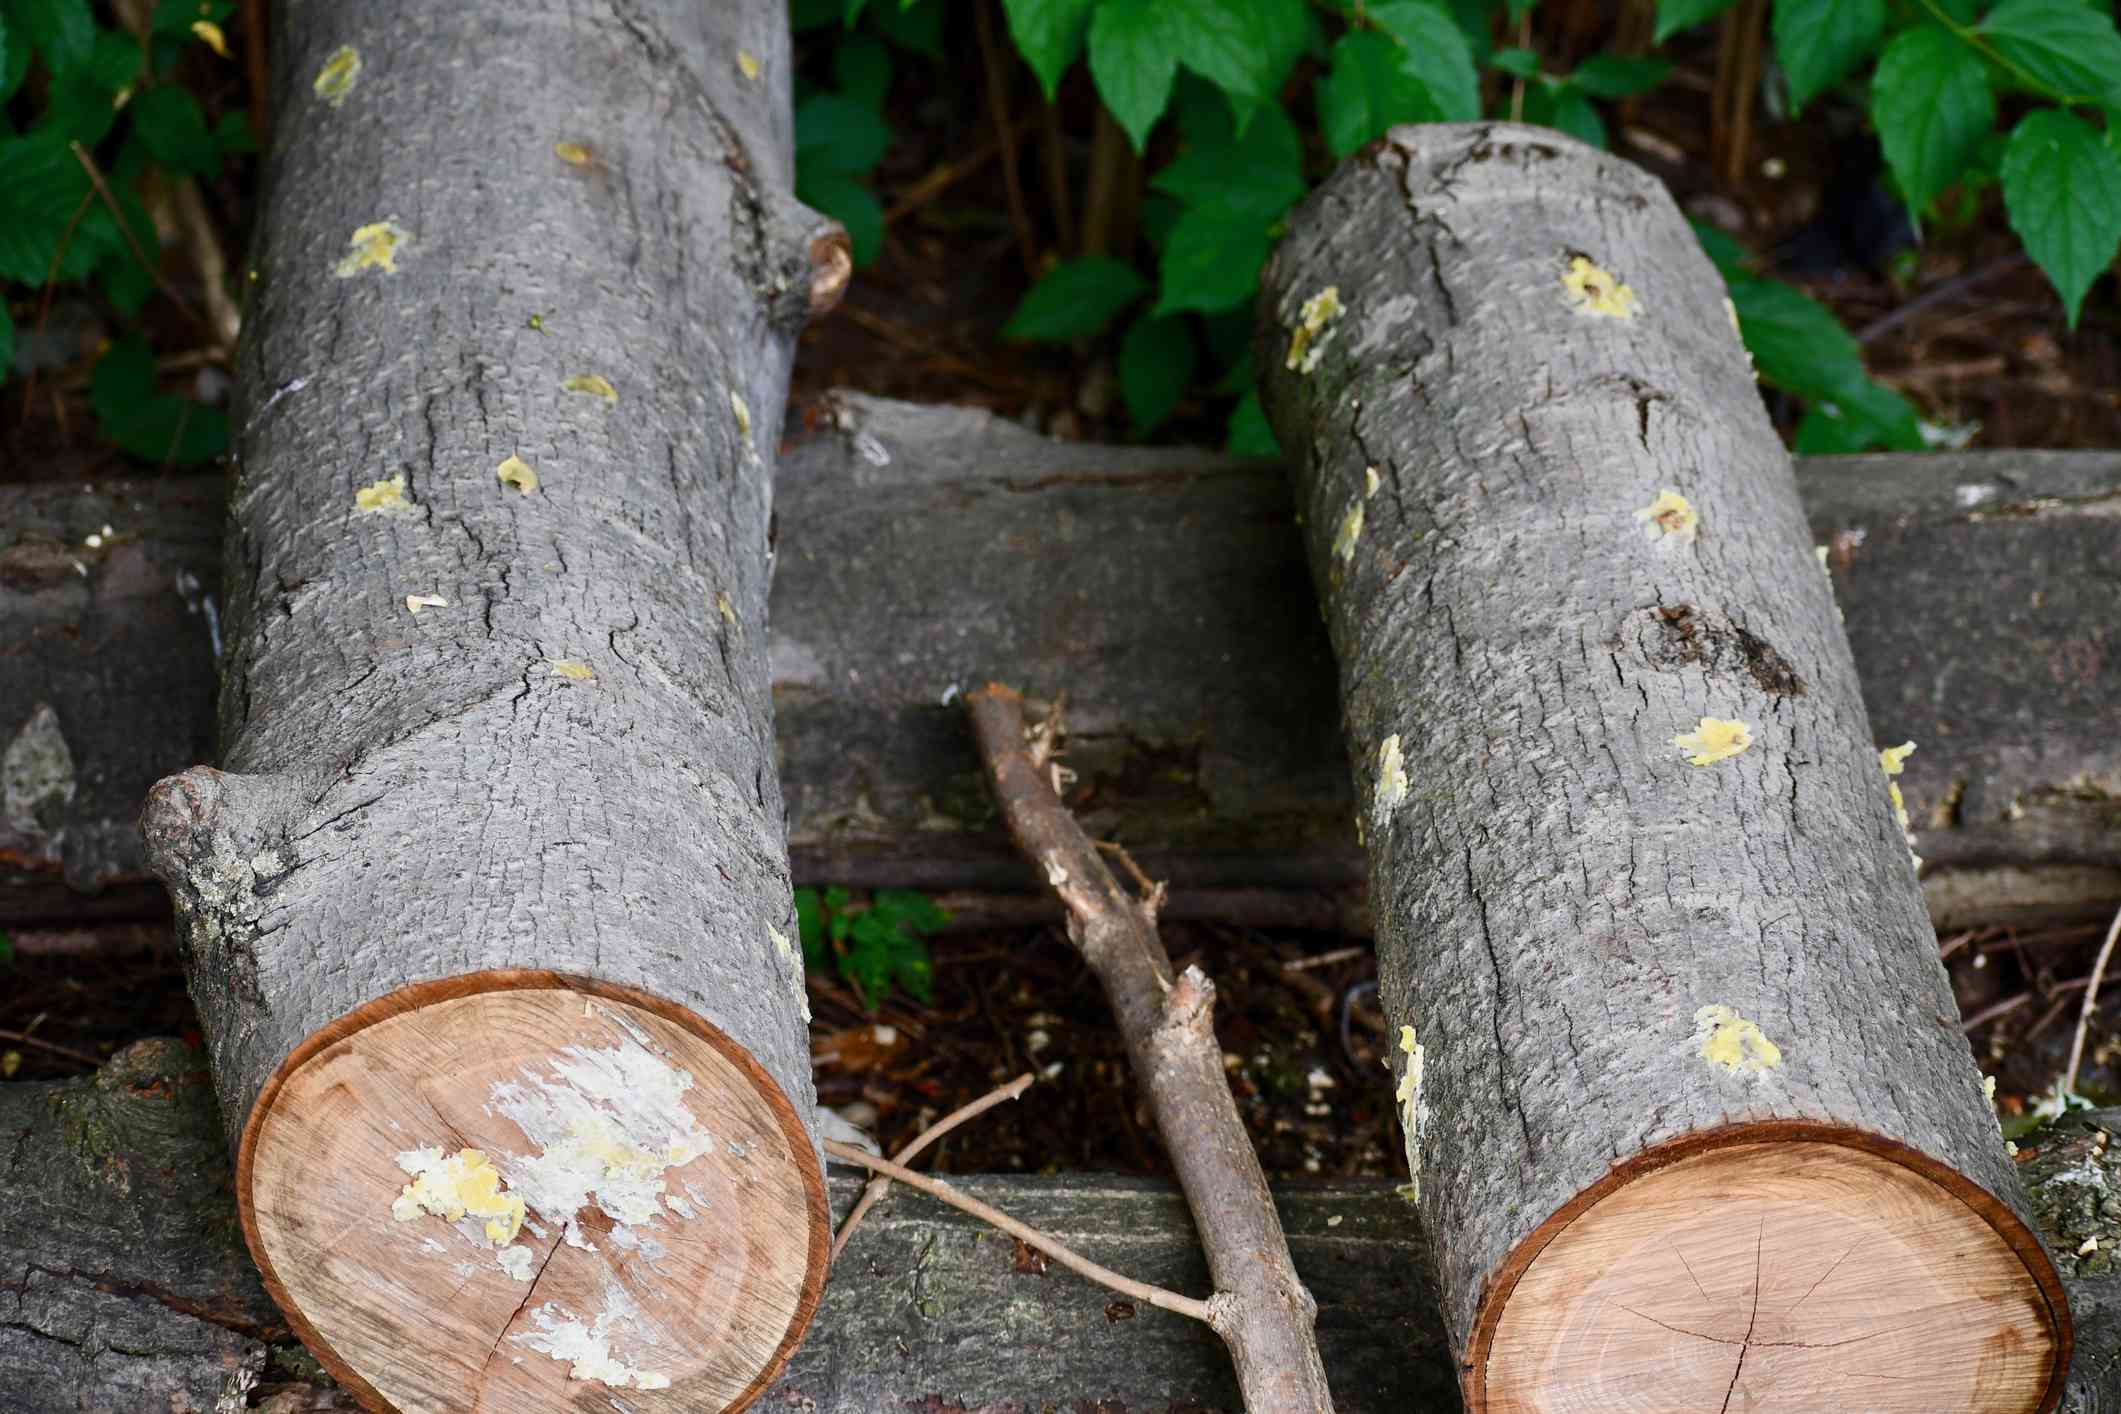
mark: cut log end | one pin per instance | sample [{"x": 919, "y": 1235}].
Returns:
[
  {"x": 518, "y": 1191},
  {"x": 1781, "y": 1268}
]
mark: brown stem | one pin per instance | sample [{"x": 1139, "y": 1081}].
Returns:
[
  {"x": 1053, "y": 149},
  {"x": 2091, "y": 1002},
  {"x": 44, "y": 305},
  {"x": 23, "y": 1038},
  {"x": 1261, "y": 1309},
  {"x": 154, "y": 273},
  {"x": 948, "y": 174},
  {"x": 254, "y": 65},
  {"x": 878, "y": 1187},
  {"x": 1030, "y": 1236},
  {"x": 1111, "y": 193},
  {"x": 998, "y": 104}
]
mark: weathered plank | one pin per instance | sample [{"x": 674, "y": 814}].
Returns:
[
  {"x": 124, "y": 1286},
  {"x": 926, "y": 548}
]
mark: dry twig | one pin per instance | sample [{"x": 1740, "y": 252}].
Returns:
[
  {"x": 2091, "y": 1002},
  {"x": 1262, "y": 1311},
  {"x": 877, "y": 1187}
]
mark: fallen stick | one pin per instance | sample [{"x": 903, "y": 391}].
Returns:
[{"x": 1263, "y": 1312}]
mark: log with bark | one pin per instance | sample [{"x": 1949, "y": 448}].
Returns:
[
  {"x": 1973, "y": 583},
  {"x": 1690, "y": 1118},
  {"x": 124, "y": 1284},
  {"x": 486, "y": 909}
]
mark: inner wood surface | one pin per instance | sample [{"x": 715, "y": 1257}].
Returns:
[
  {"x": 1774, "y": 1276},
  {"x": 681, "y": 1311}
]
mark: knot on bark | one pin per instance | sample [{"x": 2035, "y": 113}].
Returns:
[
  {"x": 177, "y": 822},
  {"x": 1671, "y": 637}
]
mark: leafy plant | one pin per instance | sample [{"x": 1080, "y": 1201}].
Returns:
[
  {"x": 1248, "y": 102},
  {"x": 840, "y": 132},
  {"x": 874, "y": 945},
  {"x": 92, "y": 115}
]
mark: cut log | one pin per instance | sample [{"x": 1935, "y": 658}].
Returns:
[
  {"x": 124, "y": 1286},
  {"x": 486, "y": 910},
  {"x": 1691, "y": 1123},
  {"x": 1973, "y": 583}
]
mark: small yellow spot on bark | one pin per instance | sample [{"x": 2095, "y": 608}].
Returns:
[
  {"x": 336, "y": 79},
  {"x": 210, "y": 35},
  {"x": 1596, "y": 291},
  {"x": 1055, "y": 874},
  {"x": 572, "y": 669},
  {"x": 1732, "y": 311},
  {"x": 725, "y": 608},
  {"x": 1714, "y": 740},
  {"x": 1729, "y": 1040},
  {"x": 594, "y": 384},
  {"x": 375, "y": 246},
  {"x": 10, "y": 1062},
  {"x": 747, "y": 64},
  {"x": 2091, "y": 1245},
  {"x": 738, "y": 406},
  {"x": 514, "y": 471},
  {"x": 1893, "y": 759},
  {"x": 1670, "y": 514},
  {"x": 1370, "y": 482},
  {"x": 572, "y": 153},
  {"x": 385, "y": 495},
  {"x": 1350, "y": 532},
  {"x": 1307, "y": 341},
  {"x": 465, "y": 1184},
  {"x": 1391, "y": 777},
  {"x": 2010, "y": 1148},
  {"x": 416, "y": 602}
]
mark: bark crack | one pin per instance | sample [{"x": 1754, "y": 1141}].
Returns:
[{"x": 1502, "y": 1079}]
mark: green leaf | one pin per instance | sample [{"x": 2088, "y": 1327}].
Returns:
[
  {"x": 1616, "y": 76},
  {"x": 1931, "y": 104},
  {"x": 2065, "y": 46},
  {"x": 848, "y": 202},
  {"x": 918, "y": 27},
  {"x": 151, "y": 425},
  {"x": 2062, "y": 188},
  {"x": 1049, "y": 34},
  {"x": 909, "y": 909},
  {"x": 1518, "y": 63},
  {"x": 806, "y": 15},
  {"x": 861, "y": 66},
  {"x": 173, "y": 18},
  {"x": 1728, "y": 256},
  {"x": 7, "y": 344},
  {"x": 1367, "y": 91},
  {"x": 1676, "y": 15},
  {"x": 233, "y": 134},
  {"x": 1224, "y": 41},
  {"x": 837, "y": 134},
  {"x": 113, "y": 61},
  {"x": 1865, "y": 416},
  {"x": 1434, "y": 56},
  {"x": 912, "y": 969},
  {"x": 1820, "y": 42},
  {"x": 41, "y": 189},
  {"x": 1156, "y": 362},
  {"x": 1796, "y": 342},
  {"x": 14, "y": 57},
  {"x": 1075, "y": 299},
  {"x": 810, "y": 927},
  {"x": 1287, "y": 30},
  {"x": 1259, "y": 174},
  {"x": 1248, "y": 434},
  {"x": 1211, "y": 261},
  {"x": 174, "y": 130},
  {"x": 1132, "y": 61},
  {"x": 1566, "y": 110},
  {"x": 61, "y": 31},
  {"x": 77, "y": 108}
]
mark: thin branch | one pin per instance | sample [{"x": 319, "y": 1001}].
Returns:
[
  {"x": 1031, "y": 1237},
  {"x": 1261, "y": 1309},
  {"x": 874, "y": 1192},
  {"x": 44, "y": 306},
  {"x": 23, "y": 1038},
  {"x": 998, "y": 103},
  {"x": 154, "y": 273},
  {"x": 2091, "y": 1001}
]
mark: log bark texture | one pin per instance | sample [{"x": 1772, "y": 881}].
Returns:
[
  {"x": 490, "y": 877},
  {"x": 124, "y": 1285},
  {"x": 1973, "y": 585},
  {"x": 1676, "y": 1042}
]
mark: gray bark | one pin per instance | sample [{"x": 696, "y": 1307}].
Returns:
[
  {"x": 1558, "y": 891},
  {"x": 1206, "y": 722},
  {"x": 124, "y": 1285}
]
